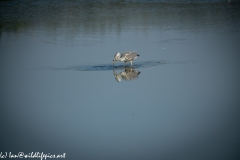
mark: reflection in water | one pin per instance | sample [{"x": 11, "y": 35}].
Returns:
[{"x": 128, "y": 74}]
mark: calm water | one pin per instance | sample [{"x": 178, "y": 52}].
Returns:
[{"x": 61, "y": 94}]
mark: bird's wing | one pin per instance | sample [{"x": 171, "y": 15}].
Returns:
[
  {"x": 130, "y": 55},
  {"x": 124, "y": 54}
]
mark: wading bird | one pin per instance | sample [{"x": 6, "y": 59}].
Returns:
[{"x": 125, "y": 57}]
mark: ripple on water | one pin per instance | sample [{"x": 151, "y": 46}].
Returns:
[{"x": 106, "y": 67}]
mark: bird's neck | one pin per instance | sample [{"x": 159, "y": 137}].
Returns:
[{"x": 121, "y": 59}]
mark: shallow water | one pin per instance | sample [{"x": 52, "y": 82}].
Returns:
[{"x": 60, "y": 92}]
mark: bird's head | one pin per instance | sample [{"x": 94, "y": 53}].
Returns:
[{"x": 116, "y": 57}]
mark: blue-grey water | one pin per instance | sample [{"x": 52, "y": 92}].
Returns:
[{"x": 60, "y": 93}]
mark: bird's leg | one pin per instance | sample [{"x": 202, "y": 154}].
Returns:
[
  {"x": 131, "y": 63},
  {"x": 124, "y": 63}
]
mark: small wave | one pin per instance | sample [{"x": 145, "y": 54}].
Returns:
[{"x": 106, "y": 67}]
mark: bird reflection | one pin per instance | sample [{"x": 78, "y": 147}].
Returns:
[{"x": 128, "y": 74}]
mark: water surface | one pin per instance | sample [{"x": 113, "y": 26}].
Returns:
[{"x": 60, "y": 92}]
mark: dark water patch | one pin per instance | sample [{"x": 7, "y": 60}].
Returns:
[
  {"x": 106, "y": 67},
  {"x": 89, "y": 17},
  {"x": 120, "y": 66}
]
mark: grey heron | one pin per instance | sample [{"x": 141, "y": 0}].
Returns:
[{"x": 125, "y": 57}]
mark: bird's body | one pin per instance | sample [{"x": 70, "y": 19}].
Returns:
[{"x": 125, "y": 57}]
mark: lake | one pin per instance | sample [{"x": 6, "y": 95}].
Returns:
[{"x": 60, "y": 92}]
